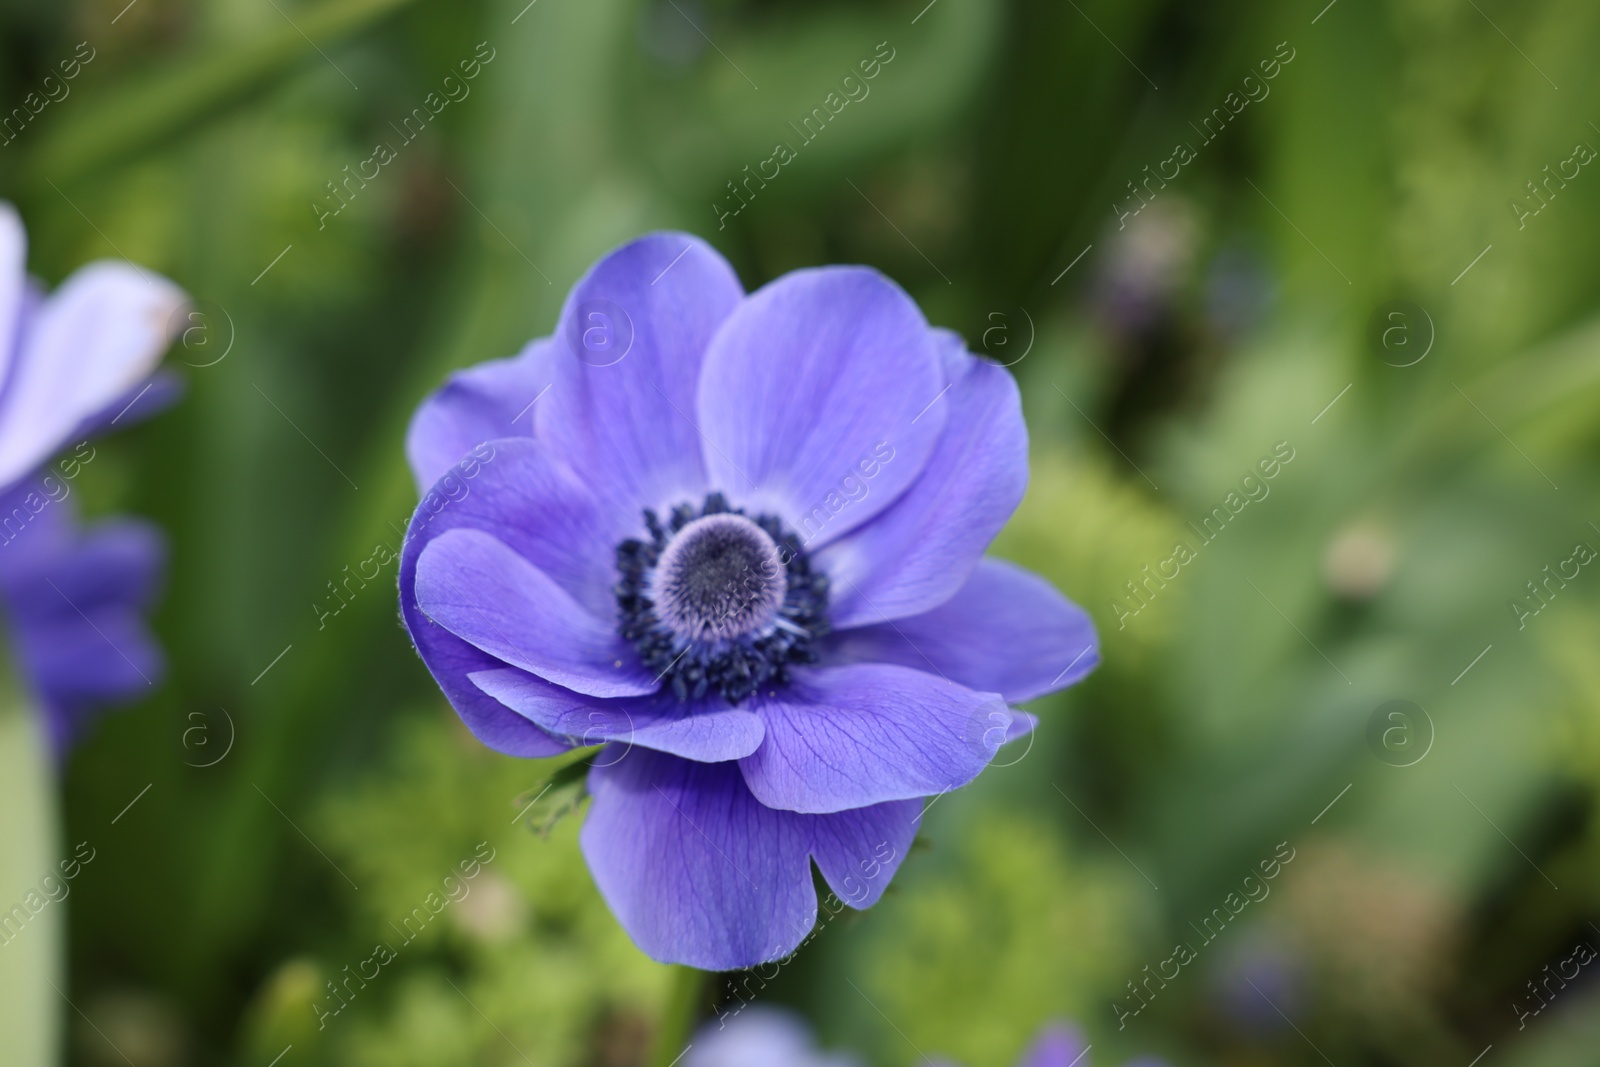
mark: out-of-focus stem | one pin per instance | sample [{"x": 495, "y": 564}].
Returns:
[
  {"x": 683, "y": 1010},
  {"x": 31, "y": 923}
]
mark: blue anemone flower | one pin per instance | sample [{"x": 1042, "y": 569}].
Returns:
[
  {"x": 72, "y": 363},
  {"x": 738, "y": 538}
]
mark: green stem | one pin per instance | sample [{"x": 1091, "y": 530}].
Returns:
[
  {"x": 685, "y": 1004},
  {"x": 32, "y": 927}
]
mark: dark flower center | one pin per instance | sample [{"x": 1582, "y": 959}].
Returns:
[
  {"x": 720, "y": 577},
  {"x": 716, "y": 601}
]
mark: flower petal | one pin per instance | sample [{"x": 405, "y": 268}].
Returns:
[
  {"x": 845, "y": 737},
  {"x": 821, "y": 399},
  {"x": 516, "y": 490},
  {"x": 479, "y": 589},
  {"x": 709, "y": 735},
  {"x": 483, "y": 403},
  {"x": 535, "y": 505},
  {"x": 628, "y": 353},
  {"x": 916, "y": 554},
  {"x": 859, "y": 850},
  {"x": 94, "y": 339},
  {"x": 1006, "y": 631},
  {"x": 693, "y": 867},
  {"x": 74, "y": 601},
  {"x": 700, "y": 873}
]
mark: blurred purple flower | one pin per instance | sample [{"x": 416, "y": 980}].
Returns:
[
  {"x": 741, "y": 539},
  {"x": 1061, "y": 1045},
  {"x": 761, "y": 1037},
  {"x": 72, "y": 363}
]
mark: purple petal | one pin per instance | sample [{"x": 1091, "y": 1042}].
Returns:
[
  {"x": 1056, "y": 1046},
  {"x": 693, "y": 867},
  {"x": 660, "y": 722},
  {"x": 483, "y": 403},
  {"x": 700, "y": 873},
  {"x": 846, "y": 737},
  {"x": 74, "y": 602},
  {"x": 518, "y": 491},
  {"x": 916, "y": 554},
  {"x": 628, "y": 352},
  {"x": 859, "y": 850},
  {"x": 92, "y": 341},
  {"x": 479, "y": 589},
  {"x": 538, "y": 507},
  {"x": 821, "y": 399},
  {"x": 1006, "y": 631}
]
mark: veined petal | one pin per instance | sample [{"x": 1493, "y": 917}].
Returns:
[
  {"x": 1006, "y": 631},
  {"x": 700, "y": 873},
  {"x": 707, "y": 734},
  {"x": 917, "y": 553},
  {"x": 518, "y": 491},
  {"x": 627, "y": 358},
  {"x": 482, "y": 403},
  {"x": 821, "y": 399},
  {"x": 479, "y": 589},
  {"x": 847, "y": 737}
]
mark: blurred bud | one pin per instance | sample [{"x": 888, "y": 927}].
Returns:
[
  {"x": 132, "y": 1026},
  {"x": 494, "y": 911},
  {"x": 282, "y": 1011},
  {"x": 1145, "y": 267},
  {"x": 1377, "y": 938},
  {"x": 1259, "y": 978},
  {"x": 1359, "y": 561}
]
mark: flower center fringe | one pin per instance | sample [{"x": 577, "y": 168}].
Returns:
[{"x": 718, "y": 602}]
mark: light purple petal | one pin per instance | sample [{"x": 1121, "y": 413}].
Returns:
[
  {"x": 466, "y": 494},
  {"x": 479, "y": 589},
  {"x": 483, "y": 403},
  {"x": 1006, "y": 631},
  {"x": 708, "y": 734},
  {"x": 916, "y": 554},
  {"x": 859, "y": 850},
  {"x": 700, "y": 873},
  {"x": 92, "y": 341},
  {"x": 821, "y": 399},
  {"x": 1056, "y": 1046},
  {"x": 846, "y": 737},
  {"x": 517, "y": 491},
  {"x": 693, "y": 867},
  {"x": 628, "y": 351}
]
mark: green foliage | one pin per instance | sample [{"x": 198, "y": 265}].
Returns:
[{"x": 1051, "y": 930}]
